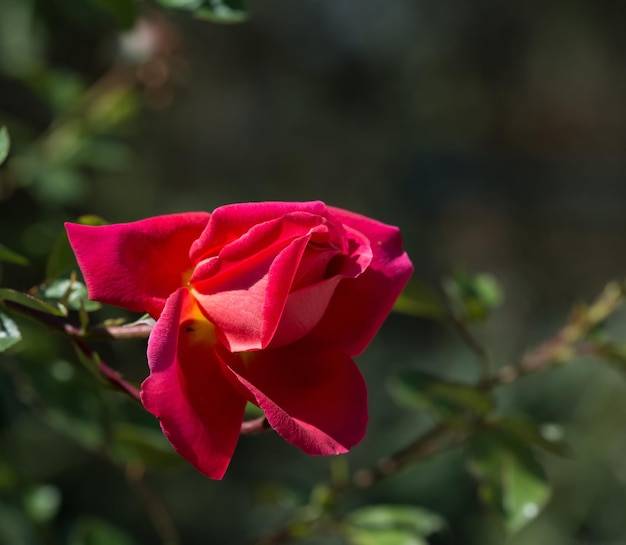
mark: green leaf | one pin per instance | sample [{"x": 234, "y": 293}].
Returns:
[
  {"x": 420, "y": 390},
  {"x": 5, "y": 144},
  {"x": 9, "y": 256},
  {"x": 511, "y": 480},
  {"x": 473, "y": 296},
  {"x": 91, "y": 531},
  {"x": 92, "y": 219},
  {"x": 390, "y": 525},
  {"x": 30, "y": 301},
  {"x": 42, "y": 503},
  {"x": 359, "y": 536},
  {"x": 548, "y": 437},
  {"x": 223, "y": 11},
  {"x": 218, "y": 11},
  {"x": 71, "y": 293},
  {"x": 420, "y": 300},
  {"x": 9, "y": 332}
]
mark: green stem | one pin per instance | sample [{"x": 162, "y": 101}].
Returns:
[{"x": 98, "y": 333}]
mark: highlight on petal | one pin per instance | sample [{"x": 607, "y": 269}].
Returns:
[
  {"x": 360, "y": 305},
  {"x": 200, "y": 411},
  {"x": 314, "y": 398},
  {"x": 230, "y": 222},
  {"x": 244, "y": 289},
  {"x": 136, "y": 265}
]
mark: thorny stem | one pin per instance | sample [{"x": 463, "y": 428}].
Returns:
[
  {"x": 93, "y": 333},
  {"x": 564, "y": 345},
  {"x": 78, "y": 336}
]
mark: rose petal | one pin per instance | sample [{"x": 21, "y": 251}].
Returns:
[
  {"x": 360, "y": 305},
  {"x": 230, "y": 222},
  {"x": 315, "y": 399},
  {"x": 305, "y": 307},
  {"x": 136, "y": 265},
  {"x": 199, "y": 410},
  {"x": 244, "y": 289}
]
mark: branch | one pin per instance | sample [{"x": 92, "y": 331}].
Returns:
[
  {"x": 99, "y": 333},
  {"x": 95, "y": 332},
  {"x": 563, "y": 346},
  {"x": 439, "y": 438},
  {"x": 253, "y": 427}
]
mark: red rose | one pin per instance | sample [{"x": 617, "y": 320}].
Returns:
[{"x": 259, "y": 302}]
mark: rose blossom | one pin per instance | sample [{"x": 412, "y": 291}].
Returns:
[{"x": 260, "y": 302}]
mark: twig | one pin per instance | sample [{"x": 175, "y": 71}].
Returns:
[
  {"x": 100, "y": 332},
  {"x": 253, "y": 427},
  {"x": 564, "y": 345},
  {"x": 441, "y": 437},
  {"x": 111, "y": 375},
  {"x": 94, "y": 333}
]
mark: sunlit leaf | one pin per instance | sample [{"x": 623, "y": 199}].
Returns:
[
  {"x": 92, "y": 219},
  {"x": 5, "y": 144},
  {"x": 423, "y": 391},
  {"x": 390, "y": 525},
  {"x": 473, "y": 296},
  {"x": 91, "y": 531},
  {"x": 9, "y": 332},
  {"x": 511, "y": 480},
  {"x": 30, "y": 301},
  {"x": 360, "y": 536},
  {"x": 9, "y": 256},
  {"x": 222, "y": 11},
  {"x": 71, "y": 293},
  {"x": 420, "y": 300},
  {"x": 218, "y": 11},
  {"x": 42, "y": 503},
  {"x": 145, "y": 319}
]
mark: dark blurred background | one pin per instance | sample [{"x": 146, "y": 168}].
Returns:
[{"x": 492, "y": 133}]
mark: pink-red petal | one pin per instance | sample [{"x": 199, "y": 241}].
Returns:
[
  {"x": 136, "y": 265},
  {"x": 230, "y": 222},
  {"x": 199, "y": 410},
  {"x": 244, "y": 289},
  {"x": 315, "y": 399},
  {"x": 360, "y": 305}
]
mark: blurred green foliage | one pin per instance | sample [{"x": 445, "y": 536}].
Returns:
[{"x": 491, "y": 133}]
